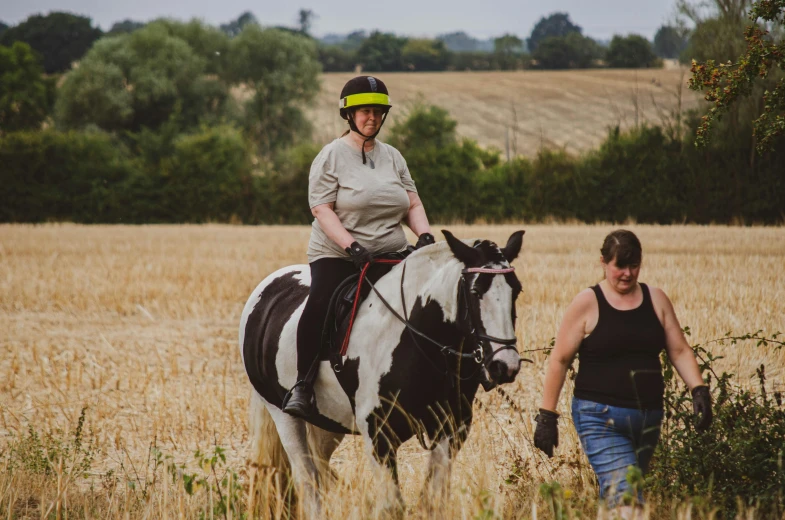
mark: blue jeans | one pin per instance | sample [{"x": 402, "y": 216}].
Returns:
[{"x": 615, "y": 438}]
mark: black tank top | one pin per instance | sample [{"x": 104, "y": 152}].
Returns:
[{"x": 620, "y": 359}]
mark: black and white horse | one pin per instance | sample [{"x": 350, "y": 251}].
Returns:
[{"x": 410, "y": 369}]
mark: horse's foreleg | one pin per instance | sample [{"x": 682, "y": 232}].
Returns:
[
  {"x": 437, "y": 481},
  {"x": 383, "y": 455}
]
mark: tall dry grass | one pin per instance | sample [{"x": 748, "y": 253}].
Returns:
[{"x": 139, "y": 325}]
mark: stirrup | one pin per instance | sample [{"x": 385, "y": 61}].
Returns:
[
  {"x": 305, "y": 406},
  {"x": 301, "y": 382}
]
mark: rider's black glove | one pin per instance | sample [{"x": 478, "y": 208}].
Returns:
[
  {"x": 359, "y": 255},
  {"x": 701, "y": 405},
  {"x": 425, "y": 239},
  {"x": 546, "y": 435}
]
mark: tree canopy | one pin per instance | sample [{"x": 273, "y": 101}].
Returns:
[
  {"x": 725, "y": 83},
  {"x": 424, "y": 54},
  {"x": 282, "y": 70},
  {"x": 633, "y": 51},
  {"x": 24, "y": 96},
  {"x": 573, "y": 51},
  {"x": 305, "y": 18},
  {"x": 506, "y": 50},
  {"x": 381, "y": 52},
  {"x": 60, "y": 38},
  {"x": 125, "y": 26},
  {"x": 553, "y": 25},
  {"x": 234, "y": 27},
  {"x": 142, "y": 79},
  {"x": 459, "y": 41},
  {"x": 669, "y": 42}
]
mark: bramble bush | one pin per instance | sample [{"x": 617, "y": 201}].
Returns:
[{"x": 739, "y": 460}]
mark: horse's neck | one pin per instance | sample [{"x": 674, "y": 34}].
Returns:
[{"x": 430, "y": 275}]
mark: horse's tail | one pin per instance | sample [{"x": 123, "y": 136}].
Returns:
[{"x": 265, "y": 450}]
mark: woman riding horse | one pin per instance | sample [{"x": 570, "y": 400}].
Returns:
[
  {"x": 359, "y": 191},
  {"x": 423, "y": 340}
]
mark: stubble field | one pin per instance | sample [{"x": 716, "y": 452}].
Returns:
[
  {"x": 139, "y": 325},
  {"x": 529, "y": 109}
]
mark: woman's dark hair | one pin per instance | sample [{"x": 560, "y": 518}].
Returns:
[{"x": 622, "y": 245}]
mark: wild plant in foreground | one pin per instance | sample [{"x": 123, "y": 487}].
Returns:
[{"x": 738, "y": 462}]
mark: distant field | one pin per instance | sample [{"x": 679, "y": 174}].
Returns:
[
  {"x": 139, "y": 324},
  {"x": 570, "y": 109}
]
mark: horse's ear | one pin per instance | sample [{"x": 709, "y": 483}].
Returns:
[
  {"x": 466, "y": 254},
  {"x": 513, "y": 247}
]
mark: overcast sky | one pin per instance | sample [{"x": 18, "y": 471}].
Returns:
[{"x": 480, "y": 18}]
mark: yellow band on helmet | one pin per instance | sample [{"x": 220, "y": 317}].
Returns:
[{"x": 365, "y": 99}]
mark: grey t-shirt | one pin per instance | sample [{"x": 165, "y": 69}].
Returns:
[{"x": 369, "y": 202}]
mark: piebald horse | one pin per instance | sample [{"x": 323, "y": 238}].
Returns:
[{"x": 435, "y": 327}]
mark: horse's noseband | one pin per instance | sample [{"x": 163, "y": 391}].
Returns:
[{"x": 483, "y": 340}]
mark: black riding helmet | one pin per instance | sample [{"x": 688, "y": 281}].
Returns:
[{"x": 364, "y": 91}]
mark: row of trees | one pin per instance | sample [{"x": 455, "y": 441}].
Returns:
[
  {"x": 208, "y": 174},
  {"x": 555, "y": 43},
  {"x": 62, "y": 39},
  {"x": 167, "y": 78}
]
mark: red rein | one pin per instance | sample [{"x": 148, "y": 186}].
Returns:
[{"x": 345, "y": 344}]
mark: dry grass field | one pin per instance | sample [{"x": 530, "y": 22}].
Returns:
[
  {"x": 565, "y": 109},
  {"x": 139, "y": 325}
]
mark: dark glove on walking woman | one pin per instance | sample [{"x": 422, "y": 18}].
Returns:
[
  {"x": 425, "y": 239},
  {"x": 360, "y": 256},
  {"x": 546, "y": 435},
  {"x": 701, "y": 405}
]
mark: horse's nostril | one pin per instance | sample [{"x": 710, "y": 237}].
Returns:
[
  {"x": 502, "y": 372},
  {"x": 496, "y": 369}
]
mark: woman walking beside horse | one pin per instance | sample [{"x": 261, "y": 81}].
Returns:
[{"x": 619, "y": 327}]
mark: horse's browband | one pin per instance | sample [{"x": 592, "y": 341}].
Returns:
[{"x": 488, "y": 270}]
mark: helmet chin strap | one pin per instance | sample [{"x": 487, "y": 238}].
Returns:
[{"x": 353, "y": 127}]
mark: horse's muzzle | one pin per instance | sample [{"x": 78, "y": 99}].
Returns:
[{"x": 504, "y": 368}]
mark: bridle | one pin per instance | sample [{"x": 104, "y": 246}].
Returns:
[{"x": 483, "y": 352}]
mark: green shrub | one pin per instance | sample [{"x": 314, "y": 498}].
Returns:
[
  {"x": 284, "y": 192},
  {"x": 163, "y": 175},
  {"x": 50, "y": 175},
  {"x": 207, "y": 178},
  {"x": 24, "y": 94},
  {"x": 631, "y": 52},
  {"x": 50, "y": 452},
  {"x": 740, "y": 456}
]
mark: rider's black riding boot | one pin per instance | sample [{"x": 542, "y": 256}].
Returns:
[{"x": 301, "y": 401}]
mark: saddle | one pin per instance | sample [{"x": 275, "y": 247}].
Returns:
[{"x": 339, "y": 317}]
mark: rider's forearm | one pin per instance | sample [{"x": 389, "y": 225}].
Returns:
[
  {"x": 416, "y": 219},
  {"x": 332, "y": 227}
]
